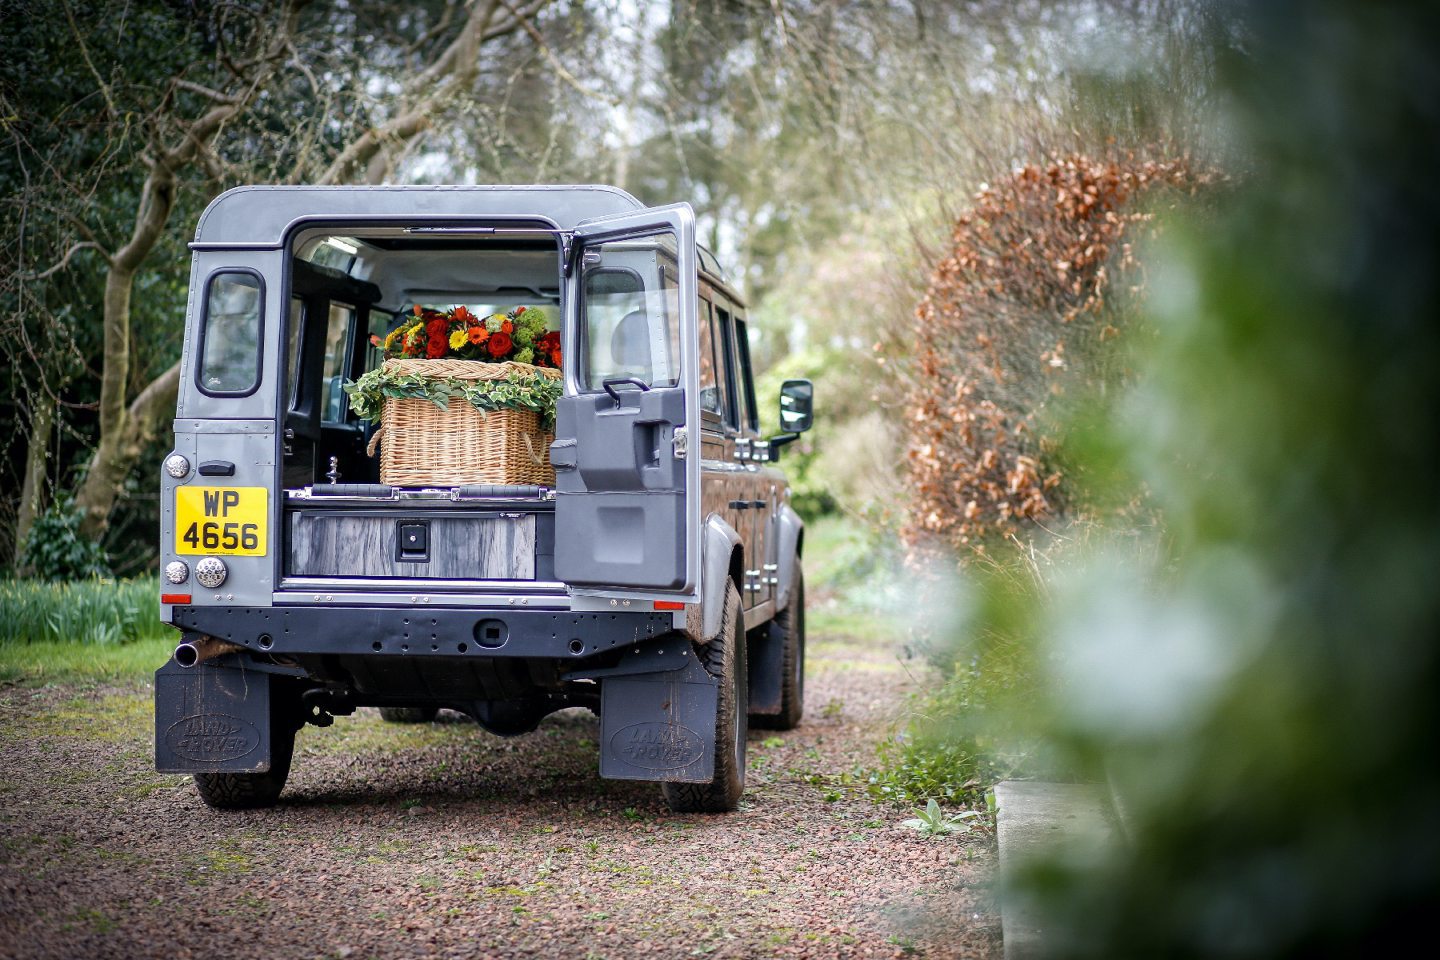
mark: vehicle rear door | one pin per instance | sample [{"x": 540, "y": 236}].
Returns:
[{"x": 627, "y": 512}]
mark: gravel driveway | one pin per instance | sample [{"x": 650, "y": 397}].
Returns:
[{"x": 442, "y": 840}]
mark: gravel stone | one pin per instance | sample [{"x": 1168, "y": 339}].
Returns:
[{"x": 440, "y": 840}]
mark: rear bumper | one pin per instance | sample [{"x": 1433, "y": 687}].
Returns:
[{"x": 431, "y": 632}]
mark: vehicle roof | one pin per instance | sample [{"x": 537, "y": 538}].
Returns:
[{"x": 262, "y": 214}]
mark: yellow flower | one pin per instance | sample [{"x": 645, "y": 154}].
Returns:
[{"x": 457, "y": 339}]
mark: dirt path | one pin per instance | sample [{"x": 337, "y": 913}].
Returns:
[{"x": 441, "y": 840}]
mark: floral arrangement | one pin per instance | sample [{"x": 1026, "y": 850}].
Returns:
[{"x": 519, "y": 334}]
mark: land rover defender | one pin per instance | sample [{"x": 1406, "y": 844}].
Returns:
[{"x": 656, "y": 582}]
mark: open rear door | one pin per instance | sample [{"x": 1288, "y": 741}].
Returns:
[{"x": 627, "y": 512}]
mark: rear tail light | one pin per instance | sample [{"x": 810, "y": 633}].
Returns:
[
  {"x": 669, "y": 605},
  {"x": 175, "y": 598}
]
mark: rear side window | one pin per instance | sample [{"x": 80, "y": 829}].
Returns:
[
  {"x": 337, "y": 340},
  {"x": 747, "y": 379},
  {"x": 230, "y": 334},
  {"x": 712, "y": 365}
]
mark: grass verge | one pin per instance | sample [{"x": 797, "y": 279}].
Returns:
[
  {"x": 47, "y": 662},
  {"x": 91, "y": 612}
]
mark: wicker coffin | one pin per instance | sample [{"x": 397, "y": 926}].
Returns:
[{"x": 422, "y": 445}]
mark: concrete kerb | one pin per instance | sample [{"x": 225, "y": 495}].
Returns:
[{"x": 1073, "y": 822}]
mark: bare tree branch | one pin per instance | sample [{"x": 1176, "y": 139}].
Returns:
[
  {"x": 205, "y": 91},
  {"x": 85, "y": 54},
  {"x": 451, "y": 71},
  {"x": 65, "y": 260},
  {"x": 523, "y": 21}
]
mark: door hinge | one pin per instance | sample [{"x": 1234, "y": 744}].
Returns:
[
  {"x": 681, "y": 442},
  {"x": 567, "y": 245}
]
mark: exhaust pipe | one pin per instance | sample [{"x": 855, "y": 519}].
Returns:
[{"x": 191, "y": 652}]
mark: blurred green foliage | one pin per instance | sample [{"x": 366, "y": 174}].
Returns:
[
  {"x": 1257, "y": 678},
  {"x": 81, "y": 612}
]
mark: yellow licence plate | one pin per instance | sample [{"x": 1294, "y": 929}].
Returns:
[{"x": 220, "y": 520}]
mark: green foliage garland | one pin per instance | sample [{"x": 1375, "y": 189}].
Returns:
[{"x": 512, "y": 392}]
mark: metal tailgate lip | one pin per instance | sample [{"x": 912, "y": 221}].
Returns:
[{"x": 330, "y": 596}]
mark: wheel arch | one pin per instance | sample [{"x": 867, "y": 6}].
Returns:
[{"x": 722, "y": 558}]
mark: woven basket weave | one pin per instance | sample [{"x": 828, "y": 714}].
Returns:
[{"x": 423, "y": 445}]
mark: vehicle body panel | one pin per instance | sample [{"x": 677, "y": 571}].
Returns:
[{"x": 506, "y": 602}]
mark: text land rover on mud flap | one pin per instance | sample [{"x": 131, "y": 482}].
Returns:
[{"x": 657, "y": 583}]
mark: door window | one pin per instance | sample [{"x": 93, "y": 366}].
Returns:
[
  {"x": 230, "y": 335},
  {"x": 631, "y": 313}
]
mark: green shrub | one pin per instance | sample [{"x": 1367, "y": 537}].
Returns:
[
  {"x": 90, "y": 611},
  {"x": 57, "y": 550}
]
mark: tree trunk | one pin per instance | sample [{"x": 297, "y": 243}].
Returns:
[
  {"x": 124, "y": 432},
  {"x": 37, "y": 456},
  {"x": 108, "y": 466}
]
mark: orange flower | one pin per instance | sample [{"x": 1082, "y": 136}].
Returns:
[
  {"x": 507, "y": 327},
  {"x": 478, "y": 335},
  {"x": 462, "y": 315}
]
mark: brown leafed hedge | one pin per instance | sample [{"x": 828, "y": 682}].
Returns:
[{"x": 1041, "y": 281}]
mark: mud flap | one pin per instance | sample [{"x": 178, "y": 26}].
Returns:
[
  {"x": 213, "y": 717},
  {"x": 659, "y": 726},
  {"x": 766, "y": 656}
]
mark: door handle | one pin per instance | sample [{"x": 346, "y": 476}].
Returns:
[{"x": 610, "y": 384}]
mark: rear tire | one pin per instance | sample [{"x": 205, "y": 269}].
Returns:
[
  {"x": 409, "y": 714},
  {"x": 791, "y": 624},
  {"x": 246, "y": 791},
  {"x": 724, "y": 659}
]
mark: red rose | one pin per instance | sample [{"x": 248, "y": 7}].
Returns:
[
  {"x": 437, "y": 328},
  {"x": 498, "y": 344},
  {"x": 436, "y": 349}
]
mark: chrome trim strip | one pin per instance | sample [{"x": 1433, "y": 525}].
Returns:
[
  {"x": 469, "y": 587},
  {"x": 420, "y": 601}
]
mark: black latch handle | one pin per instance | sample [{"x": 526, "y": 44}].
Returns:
[{"x": 610, "y": 384}]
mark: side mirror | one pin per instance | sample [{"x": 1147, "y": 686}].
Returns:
[{"x": 797, "y": 398}]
